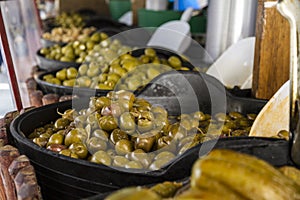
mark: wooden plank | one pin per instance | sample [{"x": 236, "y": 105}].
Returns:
[
  {"x": 10, "y": 66},
  {"x": 272, "y": 51},
  {"x": 135, "y": 6}
]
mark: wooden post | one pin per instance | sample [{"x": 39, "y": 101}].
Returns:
[
  {"x": 135, "y": 6},
  {"x": 10, "y": 66},
  {"x": 272, "y": 51}
]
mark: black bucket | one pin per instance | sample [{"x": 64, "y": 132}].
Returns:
[{"x": 63, "y": 177}]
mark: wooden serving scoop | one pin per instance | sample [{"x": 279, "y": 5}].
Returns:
[
  {"x": 274, "y": 116},
  {"x": 287, "y": 97}
]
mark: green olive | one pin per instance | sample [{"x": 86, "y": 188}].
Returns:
[
  {"x": 145, "y": 143},
  {"x": 118, "y": 135},
  {"x": 199, "y": 115},
  {"x": 120, "y": 161},
  {"x": 163, "y": 142},
  {"x": 61, "y": 74},
  {"x": 55, "y": 81},
  {"x": 93, "y": 71},
  {"x": 69, "y": 153},
  {"x": 56, "y": 138},
  {"x": 117, "y": 109},
  {"x": 79, "y": 149},
  {"x": 251, "y": 116},
  {"x": 101, "y": 157},
  {"x": 174, "y": 61},
  {"x": 75, "y": 136},
  {"x": 164, "y": 155},
  {"x": 108, "y": 123},
  {"x": 101, "y": 134},
  {"x": 123, "y": 147},
  {"x": 40, "y": 141},
  {"x": 145, "y": 121},
  {"x": 69, "y": 83},
  {"x": 95, "y": 144},
  {"x": 83, "y": 81},
  {"x": 71, "y": 73},
  {"x": 45, "y": 135},
  {"x": 235, "y": 115},
  {"x": 141, "y": 157},
  {"x": 101, "y": 102},
  {"x": 150, "y": 52},
  {"x": 158, "y": 164},
  {"x": 61, "y": 123},
  {"x": 127, "y": 123},
  {"x": 134, "y": 165},
  {"x": 83, "y": 69}
]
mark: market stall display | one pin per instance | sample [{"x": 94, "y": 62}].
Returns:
[
  {"x": 128, "y": 71},
  {"x": 174, "y": 132}
]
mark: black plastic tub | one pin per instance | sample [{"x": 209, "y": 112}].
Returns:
[
  {"x": 51, "y": 64},
  {"x": 62, "y": 177},
  {"x": 66, "y": 90},
  {"x": 66, "y": 178}
]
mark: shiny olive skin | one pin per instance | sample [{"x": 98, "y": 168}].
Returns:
[
  {"x": 75, "y": 136},
  {"x": 101, "y": 157},
  {"x": 61, "y": 123},
  {"x": 145, "y": 143},
  {"x": 101, "y": 134},
  {"x": 123, "y": 147},
  {"x": 144, "y": 158},
  {"x": 134, "y": 165},
  {"x": 108, "y": 123},
  {"x": 42, "y": 142},
  {"x": 56, "y": 138},
  {"x": 79, "y": 149},
  {"x": 126, "y": 122},
  {"x": 69, "y": 153},
  {"x": 120, "y": 161},
  {"x": 95, "y": 144},
  {"x": 101, "y": 102},
  {"x": 117, "y": 135}
]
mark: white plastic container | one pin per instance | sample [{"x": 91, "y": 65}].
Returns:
[{"x": 156, "y": 5}]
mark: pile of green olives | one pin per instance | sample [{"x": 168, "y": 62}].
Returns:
[
  {"x": 65, "y": 35},
  {"x": 122, "y": 130},
  {"x": 68, "y": 20},
  {"x": 75, "y": 51},
  {"x": 125, "y": 72}
]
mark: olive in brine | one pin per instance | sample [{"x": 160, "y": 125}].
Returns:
[
  {"x": 79, "y": 149},
  {"x": 75, "y": 136},
  {"x": 56, "y": 138},
  {"x": 69, "y": 153},
  {"x": 101, "y": 134},
  {"x": 40, "y": 141},
  {"x": 123, "y": 147},
  {"x": 61, "y": 123},
  {"x": 107, "y": 123},
  {"x": 95, "y": 144},
  {"x": 145, "y": 143},
  {"x": 117, "y": 135},
  {"x": 120, "y": 161},
  {"x": 101, "y": 157},
  {"x": 127, "y": 123}
]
